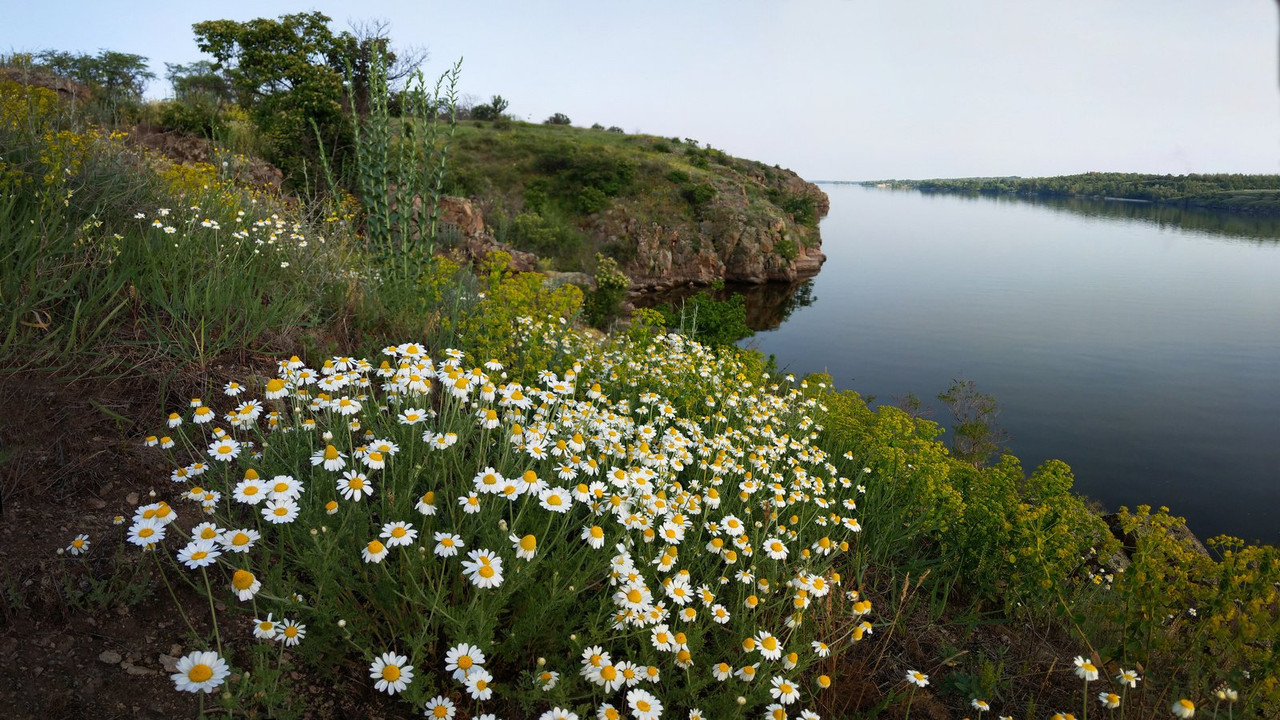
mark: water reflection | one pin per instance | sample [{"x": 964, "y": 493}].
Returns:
[{"x": 768, "y": 305}]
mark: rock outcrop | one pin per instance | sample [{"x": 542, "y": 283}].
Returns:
[{"x": 737, "y": 236}]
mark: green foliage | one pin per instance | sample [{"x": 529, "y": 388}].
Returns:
[
  {"x": 493, "y": 110},
  {"x": 603, "y": 303},
  {"x": 288, "y": 73},
  {"x": 116, "y": 79},
  {"x": 976, "y": 435},
  {"x": 558, "y": 119},
  {"x": 698, "y": 195},
  {"x": 191, "y": 117},
  {"x": 1224, "y": 191},
  {"x": 708, "y": 320},
  {"x": 786, "y": 247}
]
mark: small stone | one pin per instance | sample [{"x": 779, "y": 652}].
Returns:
[
  {"x": 137, "y": 670},
  {"x": 109, "y": 657},
  {"x": 131, "y": 498},
  {"x": 169, "y": 663}
]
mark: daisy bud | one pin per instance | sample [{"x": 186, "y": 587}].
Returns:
[
  {"x": 342, "y": 623},
  {"x": 742, "y": 700},
  {"x": 542, "y": 661}
]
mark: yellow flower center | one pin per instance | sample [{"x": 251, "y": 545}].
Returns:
[
  {"x": 330, "y": 453},
  {"x": 440, "y": 711},
  {"x": 355, "y": 483},
  {"x": 291, "y": 631},
  {"x": 465, "y": 662},
  {"x": 251, "y": 490},
  {"x": 554, "y": 500},
  {"x": 390, "y": 673},
  {"x": 281, "y": 487},
  {"x": 486, "y": 571},
  {"x": 643, "y": 706},
  {"x": 481, "y": 685},
  {"x": 375, "y": 547},
  {"x": 634, "y": 595},
  {"x": 281, "y": 511},
  {"x": 242, "y": 579},
  {"x": 275, "y": 385},
  {"x": 528, "y": 543},
  {"x": 609, "y": 673},
  {"x": 375, "y": 456},
  {"x": 397, "y": 532},
  {"x": 200, "y": 673},
  {"x": 146, "y": 532},
  {"x": 199, "y": 555}
]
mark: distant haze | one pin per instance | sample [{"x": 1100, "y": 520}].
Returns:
[{"x": 834, "y": 89}]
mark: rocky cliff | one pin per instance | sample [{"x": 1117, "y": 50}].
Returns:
[{"x": 672, "y": 212}]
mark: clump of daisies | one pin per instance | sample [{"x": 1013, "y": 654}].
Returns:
[{"x": 653, "y": 523}]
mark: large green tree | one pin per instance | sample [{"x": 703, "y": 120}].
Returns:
[{"x": 289, "y": 73}]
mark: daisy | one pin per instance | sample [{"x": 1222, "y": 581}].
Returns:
[
  {"x": 233, "y": 388},
  {"x": 412, "y": 416},
  {"x": 79, "y": 546},
  {"x": 199, "y": 553},
  {"x": 644, "y": 706},
  {"x": 426, "y": 504},
  {"x": 393, "y": 675},
  {"x": 399, "y": 534},
  {"x": 548, "y": 679},
  {"x": 200, "y": 672},
  {"x": 1128, "y": 677},
  {"x": 484, "y": 569},
  {"x": 594, "y": 536},
  {"x": 447, "y": 544},
  {"x": 525, "y": 547},
  {"x": 1109, "y": 700},
  {"x": 374, "y": 552},
  {"x": 558, "y": 713},
  {"x": 489, "y": 481},
  {"x": 245, "y": 585},
  {"x": 276, "y": 389},
  {"x": 239, "y": 540},
  {"x": 1085, "y": 670},
  {"x": 1183, "y": 708},
  {"x": 917, "y": 677},
  {"x": 284, "y": 487},
  {"x": 478, "y": 684},
  {"x": 353, "y": 485},
  {"x": 470, "y": 503},
  {"x": 291, "y": 632},
  {"x": 280, "y": 512},
  {"x": 770, "y": 648},
  {"x": 555, "y": 500},
  {"x": 146, "y": 533},
  {"x": 375, "y": 460},
  {"x": 747, "y": 673},
  {"x": 265, "y": 629},
  {"x": 462, "y": 659},
  {"x": 330, "y": 458},
  {"x": 980, "y": 705}
]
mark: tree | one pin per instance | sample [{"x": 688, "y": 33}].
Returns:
[
  {"x": 289, "y": 74},
  {"x": 114, "y": 78},
  {"x": 977, "y": 436},
  {"x": 491, "y": 110},
  {"x": 198, "y": 81},
  {"x": 557, "y": 119}
]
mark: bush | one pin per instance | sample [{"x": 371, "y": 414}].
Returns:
[
  {"x": 602, "y": 303},
  {"x": 698, "y": 195},
  {"x": 558, "y": 119},
  {"x": 708, "y": 320},
  {"x": 196, "y": 117}
]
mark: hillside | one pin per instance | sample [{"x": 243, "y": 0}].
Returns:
[{"x": 670, "y": 211}]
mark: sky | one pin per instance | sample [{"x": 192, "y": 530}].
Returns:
[{"x": 833, "y": 89}]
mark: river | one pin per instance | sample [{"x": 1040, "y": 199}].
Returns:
[{"x": 1139, "y": 344}]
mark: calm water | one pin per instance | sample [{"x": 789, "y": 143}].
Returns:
[{"x": 1141, "y": 346}]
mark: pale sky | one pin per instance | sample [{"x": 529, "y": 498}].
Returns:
[{"x": 834, "y": 89}]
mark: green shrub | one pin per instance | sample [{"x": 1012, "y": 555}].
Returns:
[{"x": 708, "y": 320}]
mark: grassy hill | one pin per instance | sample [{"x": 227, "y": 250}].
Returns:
[{"x": 670, "y": 211}]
